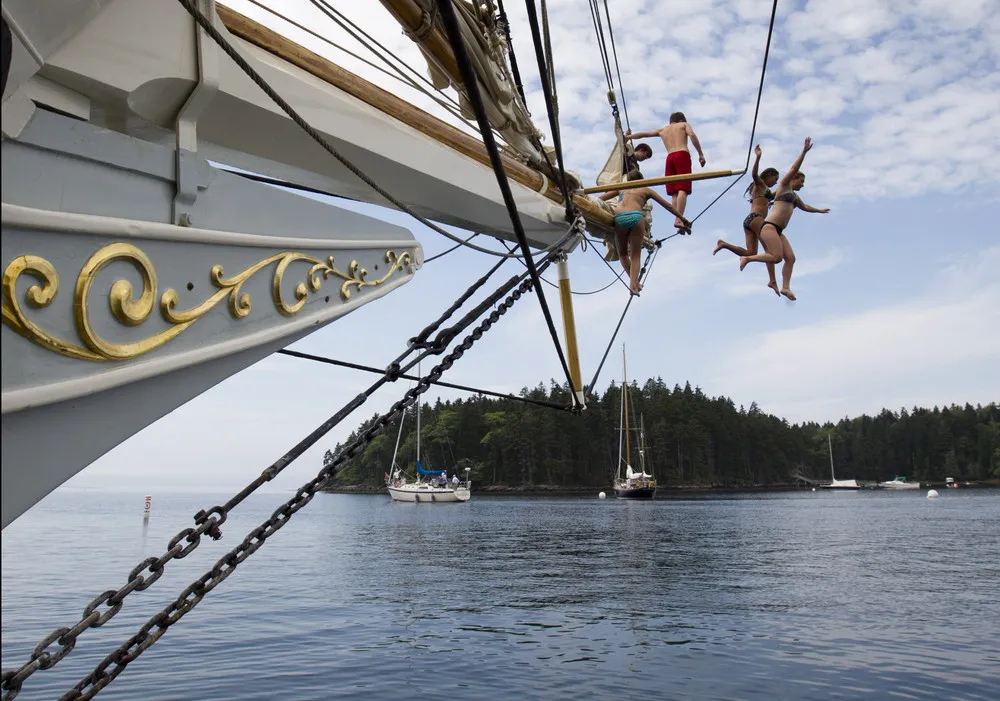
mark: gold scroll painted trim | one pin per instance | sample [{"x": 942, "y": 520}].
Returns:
[{"x": 130, "y": 310}]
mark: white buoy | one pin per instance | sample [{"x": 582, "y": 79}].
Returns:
[
  {"x": 814, "y": 489},
  {"x": 602, "y": 495},
  {"x": 932, "y": 494},
  {"x": 145, "y": 512}
]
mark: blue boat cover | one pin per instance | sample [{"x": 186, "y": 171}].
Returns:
[{"x": 422, "y": 471}]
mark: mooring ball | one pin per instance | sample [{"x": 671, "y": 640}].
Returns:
[
  {"x": 932, "y": 494},
  {"x": 602, "y": 495}
]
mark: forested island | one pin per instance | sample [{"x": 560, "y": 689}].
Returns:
[{"x": 692, "y": 441}]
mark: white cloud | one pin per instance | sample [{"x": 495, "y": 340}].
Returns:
[{"x": 934, "y": 347}]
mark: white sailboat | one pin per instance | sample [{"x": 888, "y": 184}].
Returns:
[
  {"x": 834, "y": 482},
  {"x": 631, "y": 484},
  {"x": 430, "y": 486}
]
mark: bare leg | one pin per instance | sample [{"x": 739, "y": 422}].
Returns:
[
  {"x": 635, "y": 252},
  {"x": 786, "y": 270},
  {"x": 771, "y": 240},
  {"x": 680, "y": 202},
  {"x": 750, "y": 250},
  {"x": 621, "y": 241}
]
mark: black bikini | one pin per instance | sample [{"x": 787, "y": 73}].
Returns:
[
  {"x": 749, "y": 220},
  {"x": 754, "y": 215},
  {"x": 791, "y": 198}
]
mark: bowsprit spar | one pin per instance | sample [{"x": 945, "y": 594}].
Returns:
[{"x": 468, "y": 48}]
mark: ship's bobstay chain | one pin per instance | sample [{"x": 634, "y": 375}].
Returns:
[
  {"x": 209, "y": 522},
  {"x": 105, "y": 606}
]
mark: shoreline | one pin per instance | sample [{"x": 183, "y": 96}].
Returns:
[{"x": 548, "y": 490}]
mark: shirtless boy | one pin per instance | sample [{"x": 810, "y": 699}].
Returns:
[
  {"x": 675, "y": 140},
  {"x": 630, "y": 227}
]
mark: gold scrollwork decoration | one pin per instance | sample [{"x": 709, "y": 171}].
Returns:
[{"x": 132, "y": 310}]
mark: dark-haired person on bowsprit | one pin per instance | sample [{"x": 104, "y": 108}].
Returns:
[
  {"x": 760, "y": 196},
  {"x": 675, "y": 140}
]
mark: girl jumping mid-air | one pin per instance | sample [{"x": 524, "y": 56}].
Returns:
[
  {"x": 772, "y": 236},
  {"x": 630, "y": 227},
  {"x": 760, "y": 196}
]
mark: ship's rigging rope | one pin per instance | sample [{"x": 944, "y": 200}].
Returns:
[
  {"x": 445, "y": 101},
  {"x": 438, "y": 383},
  {"x": 659, "y": 242},
  {"x": 510, "y": 51},
  {"x": 206, "y": 24},
  {"x": 614, "y": 51},
  {"x": 468, "y": 74},
  {"x": 210, "y": 522},
  {"x": 753, "y": 128}
]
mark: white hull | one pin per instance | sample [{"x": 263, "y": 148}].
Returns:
[
  {"x": 423, "y": 493},
  {"x": 842, "y": 484},
  {"x": 899, "y": 485}
]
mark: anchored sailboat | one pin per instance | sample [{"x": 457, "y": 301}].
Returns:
[
  {"x": 633, "y": 485},
  {"x": 430, "y": 485},
  {"x": 834, "y": 482}
]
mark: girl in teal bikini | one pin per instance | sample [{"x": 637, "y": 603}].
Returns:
[{"x": 630, "y": 227}]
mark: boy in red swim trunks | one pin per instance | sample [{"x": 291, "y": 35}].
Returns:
[{"x": 675, "y": 139}]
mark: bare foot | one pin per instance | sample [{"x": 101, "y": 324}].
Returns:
[
  {"x": 774, "y": 286},
  {"x": 788, "y": 293},
  {"x": 678, "y": 224},
  {"x": 743, "y": 262},
  {"x": 719, "y": 245}
]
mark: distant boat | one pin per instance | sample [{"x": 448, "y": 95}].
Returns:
[
  {"x": 834, "y": 482},
  {"x": 634, "y": 485},
  {"x": 430, "y": 486},
  {"x": 899, "y": 483}
]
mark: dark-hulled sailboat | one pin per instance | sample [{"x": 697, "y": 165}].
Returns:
[{"x": 633, "y": 485}]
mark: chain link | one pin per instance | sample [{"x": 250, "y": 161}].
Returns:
[
  {"x": 147, "y": 572},
  {"x": 114, "y": 664}
]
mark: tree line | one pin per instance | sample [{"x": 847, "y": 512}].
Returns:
[{"x": 690, "y": 440}]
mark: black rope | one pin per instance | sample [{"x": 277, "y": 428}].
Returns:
[
  {"x": 595, "y": 15},
  {"x": 510, "y": 52},
  {"x": 756, "y": 112},
  {"x": 547, "y": 93},
  {"x": 206, "y": 24},
  {"x": 439, "y": 383},
  {"x": 614, "y": 50},
  {"x": 468, "y": 74},
  {"x": 643, "y": 273}
]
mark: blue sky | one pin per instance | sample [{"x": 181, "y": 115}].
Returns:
[{"x": 899, "y": 291}]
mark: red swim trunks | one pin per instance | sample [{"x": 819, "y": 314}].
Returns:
[{"x": 678, "y": 163}]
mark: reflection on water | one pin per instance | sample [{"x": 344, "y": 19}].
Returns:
[{"x": 804, "y": 596}]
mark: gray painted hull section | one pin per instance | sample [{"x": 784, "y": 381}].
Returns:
[{"x": 74, "y": 193}]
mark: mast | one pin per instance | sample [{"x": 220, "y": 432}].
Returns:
[
  {"x": 621, "y": 423},
  {"x": 418, "y": 418},
  {"x": 642, "y": 443},
  {"x": 829, "y": 442},
  {"x": 395, "y": 450},
  {"x": 628, "y": 460}
]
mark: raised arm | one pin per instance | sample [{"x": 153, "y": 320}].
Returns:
[
  {"x": 609, "y": 195},
  {"x": 808, "y": 207},
  {"x": 756, "y": 168},
  {"x": 696, "y": 143},
  {"x": 786, "y": 180},
  {"x": 641, "y": 134},
  {"x": 667, "y": 206}
]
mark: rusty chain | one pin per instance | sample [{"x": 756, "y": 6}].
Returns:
[{"x": 114, "y": 664}]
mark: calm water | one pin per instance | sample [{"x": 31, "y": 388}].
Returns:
[{"x": 791, "y": 596}]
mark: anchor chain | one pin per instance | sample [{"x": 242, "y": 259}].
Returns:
[
  {"x": 114, "y": 664},
  {"x": 146, "y": 573}
]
